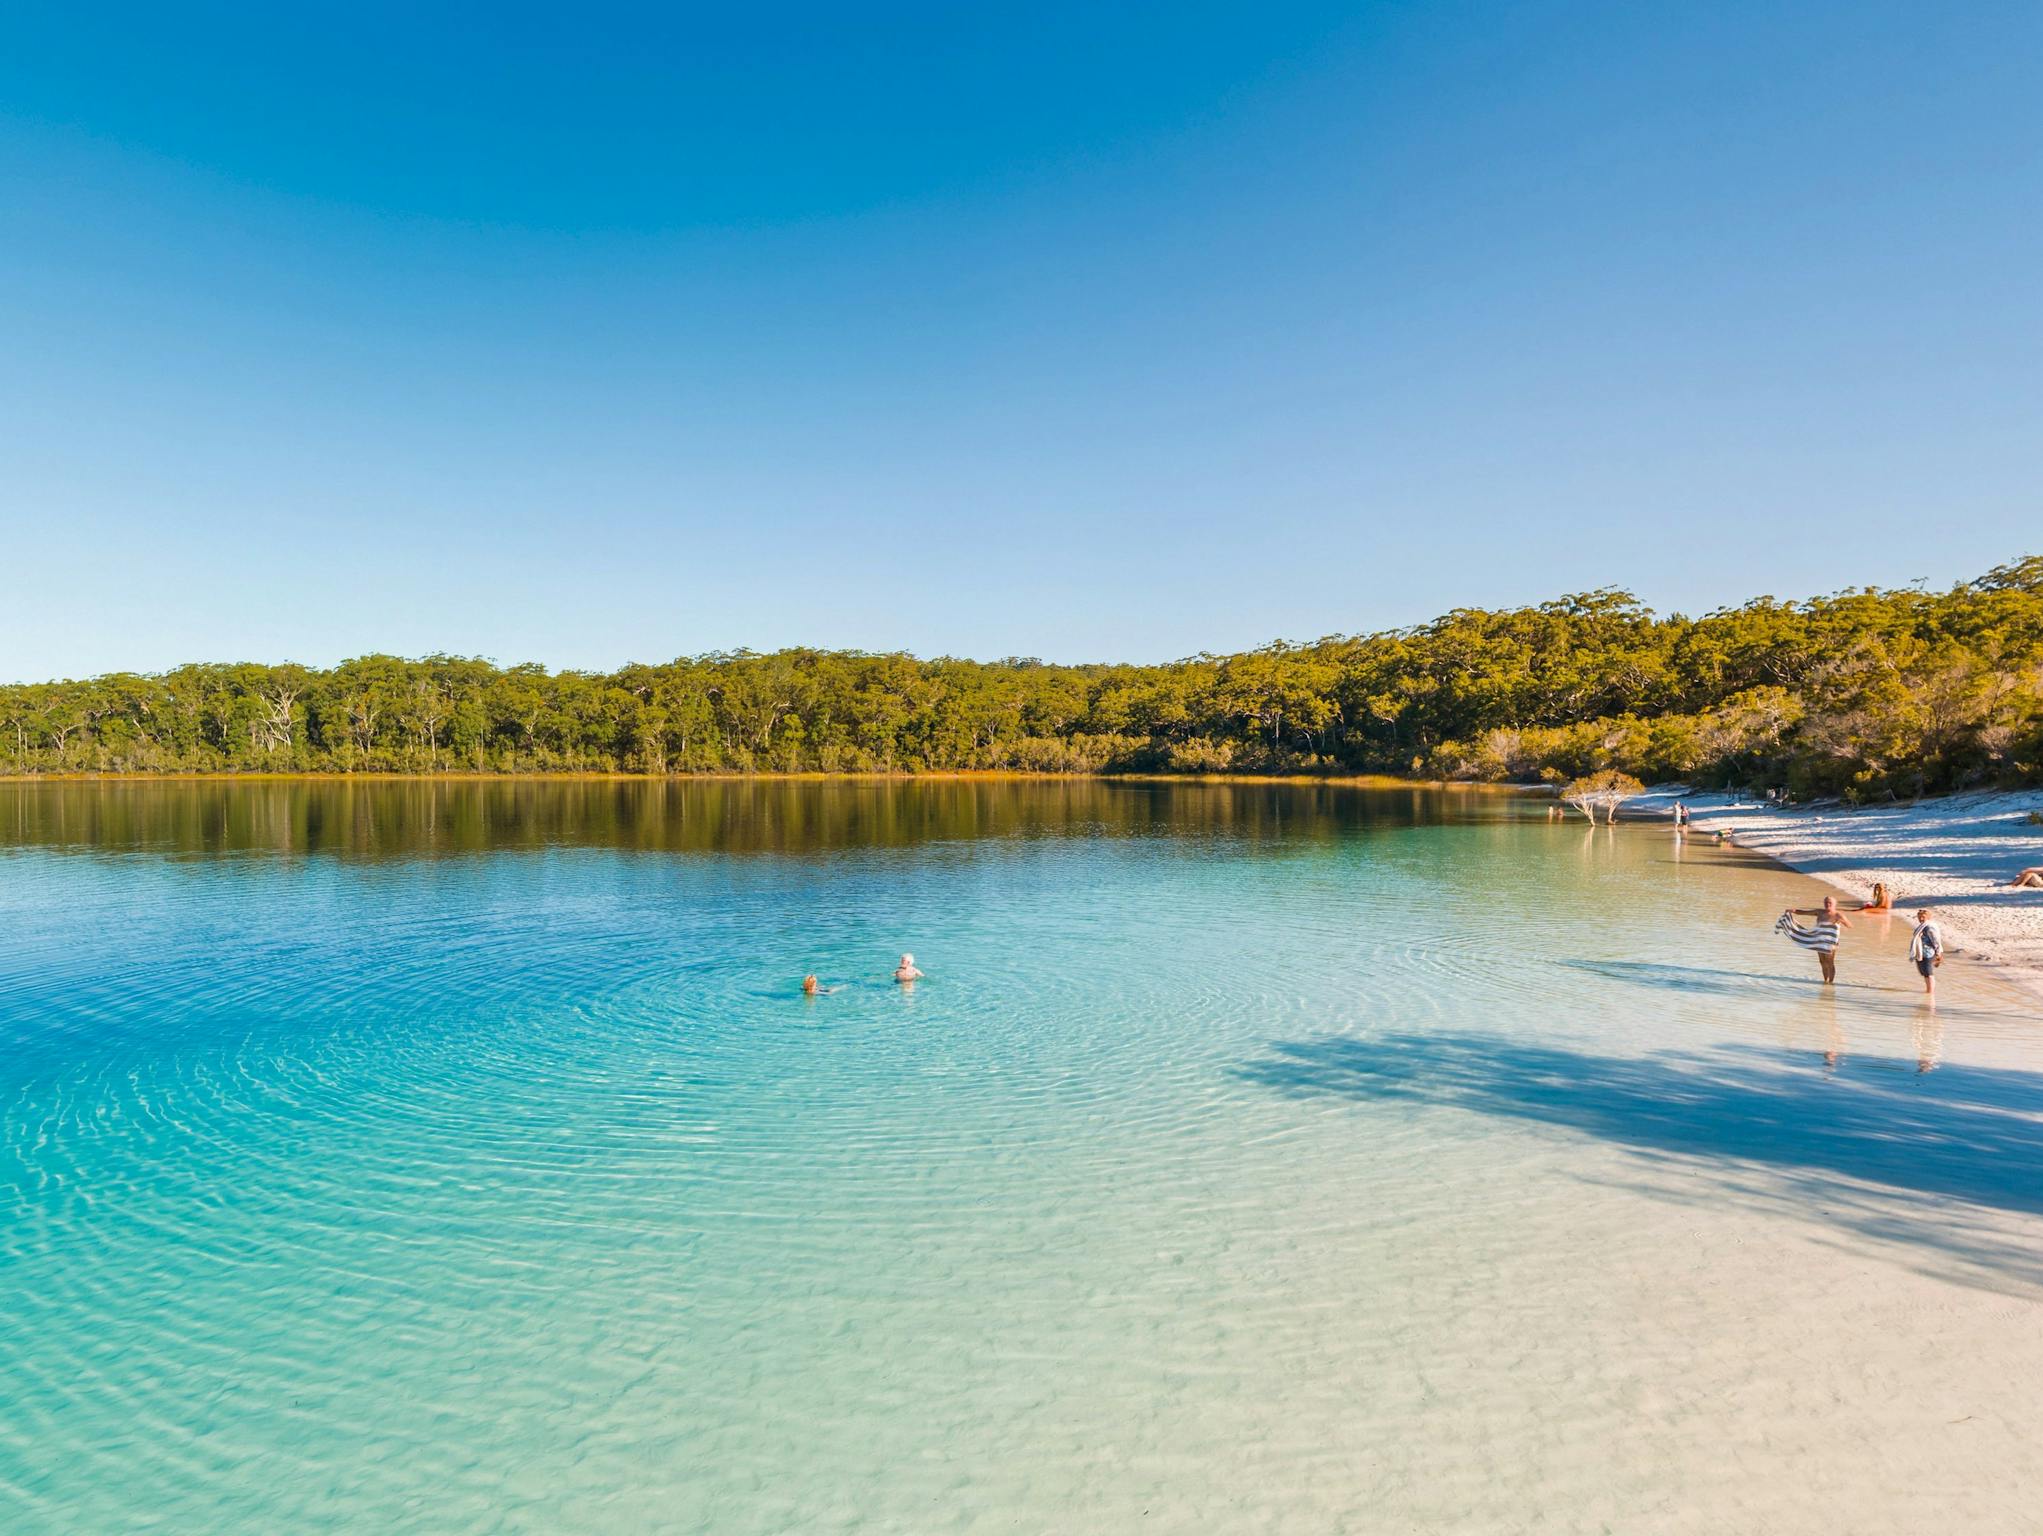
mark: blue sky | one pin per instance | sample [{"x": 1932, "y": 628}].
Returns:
[{"x": 594, "y": 334}]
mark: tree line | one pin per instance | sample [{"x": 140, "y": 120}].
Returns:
[{"x": 1867, "y": 693}]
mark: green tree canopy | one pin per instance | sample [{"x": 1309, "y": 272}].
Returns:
[{"x": 1864, "y": 693}]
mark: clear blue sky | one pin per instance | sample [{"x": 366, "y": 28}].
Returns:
[{"x": 585, "y": 335}]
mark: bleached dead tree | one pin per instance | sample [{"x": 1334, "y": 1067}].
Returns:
[
  {"x": 429, "y": 708},
  {"x": 274, "y": 724}
]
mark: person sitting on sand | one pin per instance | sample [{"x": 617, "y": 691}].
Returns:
[
  {"x": 2031, "y": 878},
  {"x": 1822, "y": 936},
  {"x": 906, "y": 971},
  {"x": 1926, "y": 949},
  {"x": 1881, "y": 902}
]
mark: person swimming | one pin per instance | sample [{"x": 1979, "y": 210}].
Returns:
[
  {"x": 812, "y": 988},
  {"x": 906, "y": 970}
]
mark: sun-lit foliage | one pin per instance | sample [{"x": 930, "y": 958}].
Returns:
[{"x": 1867, "y": 693}]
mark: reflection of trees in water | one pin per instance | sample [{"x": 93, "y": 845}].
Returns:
[{"x": 399, "y": 818}]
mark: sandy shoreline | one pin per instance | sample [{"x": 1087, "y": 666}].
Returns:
[{"x": 1956, "y": 854}]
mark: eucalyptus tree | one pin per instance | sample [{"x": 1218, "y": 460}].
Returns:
[{"x": 1863, "y": 693}]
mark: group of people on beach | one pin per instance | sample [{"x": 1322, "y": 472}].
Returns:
[
  {"x": 1683, "y": 825},
  {"x": 1925, "y": 945}
]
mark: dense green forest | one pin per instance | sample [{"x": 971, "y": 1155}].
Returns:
[{"x": 1868, "y": 693}]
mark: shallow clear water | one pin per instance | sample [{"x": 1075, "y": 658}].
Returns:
[{"x": 463, "y": 1157}]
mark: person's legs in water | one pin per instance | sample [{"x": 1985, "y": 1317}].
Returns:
[
  {"x": 1828, "y": 960},
  {"x": 1928, "y": 968}
]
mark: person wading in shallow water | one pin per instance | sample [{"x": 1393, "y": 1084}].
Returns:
[
  {"x": 1926, "y": 949},
  {"x": 1822, "y": 936}
]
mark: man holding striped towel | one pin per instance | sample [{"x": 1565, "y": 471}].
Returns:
[{"x": 1821, "y": 936}]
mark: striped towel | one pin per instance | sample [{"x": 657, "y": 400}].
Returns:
[{"x": 1822, "y": 938}]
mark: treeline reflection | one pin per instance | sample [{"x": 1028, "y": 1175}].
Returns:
[{"x": 411, "y": 818}]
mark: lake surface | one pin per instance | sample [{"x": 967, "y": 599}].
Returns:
[{"x": 462, "y": 1157}]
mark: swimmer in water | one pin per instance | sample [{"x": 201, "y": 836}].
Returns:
[
  {"x": 810, "y": 988},
  {"x": 906, "y": 971}
]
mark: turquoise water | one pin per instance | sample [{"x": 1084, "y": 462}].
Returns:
[{"x": 463, "y": 1157}]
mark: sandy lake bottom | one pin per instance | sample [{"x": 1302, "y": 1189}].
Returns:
[{"x": 1254, "y": 1158}]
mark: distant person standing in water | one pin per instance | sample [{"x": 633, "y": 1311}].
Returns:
[
  {"x": 905, "y": 971},
  {"x": 1926, "y": 949},
  {"x": 1822, "y": 936}
]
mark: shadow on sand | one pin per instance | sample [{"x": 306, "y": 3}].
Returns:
[{"x": 1938, "y": 1159}]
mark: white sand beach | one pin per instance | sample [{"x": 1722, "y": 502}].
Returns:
[{"x": 1956, "y": 853}]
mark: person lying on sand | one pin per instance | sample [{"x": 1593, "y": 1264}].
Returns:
[
  {"x": 2031, "y": 878},
  {"x": 906, "y": 971},
  {"x": 1822, "y": 936}
]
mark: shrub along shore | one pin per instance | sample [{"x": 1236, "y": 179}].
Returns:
[{"x": 1870, "y": 694}]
